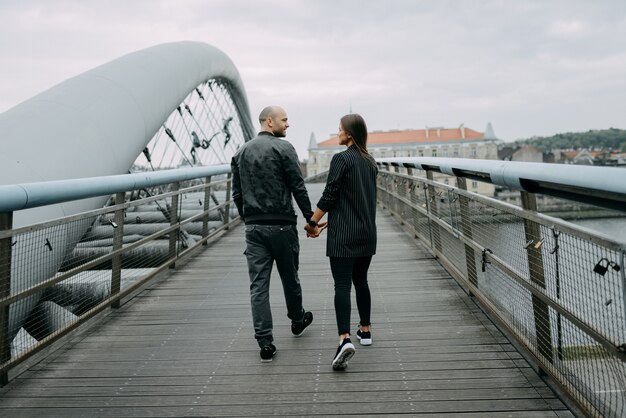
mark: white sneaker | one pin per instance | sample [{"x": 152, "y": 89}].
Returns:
[{"x": 365, "y": 337}]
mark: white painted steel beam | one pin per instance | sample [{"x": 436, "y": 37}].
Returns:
[{"x": 95, "y": 124}]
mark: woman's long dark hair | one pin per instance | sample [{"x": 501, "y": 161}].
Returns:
[{"x": 354, "y": 125}]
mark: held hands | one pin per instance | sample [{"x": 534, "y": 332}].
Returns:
[{"x": 314, "y": 232}]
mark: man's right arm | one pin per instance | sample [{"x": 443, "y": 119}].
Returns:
[
  {"x": 295, "y": 182},
  {"x": 237, "y": 196}
]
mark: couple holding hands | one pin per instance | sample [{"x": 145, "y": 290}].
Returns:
[{"x": 266, "y": 175}]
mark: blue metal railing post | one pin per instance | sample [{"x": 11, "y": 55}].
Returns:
[
  {"x": 227, "y": 200},
  {"x": 432, "y": 205},
  {"x": 396, "y": 192},
  {"x": 118, "y": 238},
  {"x": 543, "y": 329},
  {"x": 412, "y": 198},
  {"x": 173, "y": 212},
  {"x": 6, "y": 224},
  {"x": 207, "y": 203},
  {"x": 623, "y": 276},
  {"x": 466, "y": 228}
]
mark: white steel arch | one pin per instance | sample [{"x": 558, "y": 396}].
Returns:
[{"x": 96, "y": 124}]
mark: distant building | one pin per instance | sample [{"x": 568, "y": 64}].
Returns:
[
  {"x": 617, "y": 160},
  {"x": 458, "y": 142},
  {"x": 526, "y": 153},
  {"x": 529, "y": 153},
  {"x": 582, "y": 157},
  {"x": 549, "y": 157},
  {"x": 602, "y": 157}
]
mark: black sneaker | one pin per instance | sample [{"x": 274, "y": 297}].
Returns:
[
  {"x": 297, "y": 329},
  {"x": 365, "y": 337},
  {"x": 267, "y": 353},
  {"x": 345, "y": 351}
]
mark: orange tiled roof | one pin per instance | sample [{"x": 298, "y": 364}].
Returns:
[
  {"x": 413, "y": 135},
  {"x": 595, "y": 154},
  {"x": 570, "y": 154}
]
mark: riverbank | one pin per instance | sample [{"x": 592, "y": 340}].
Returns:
[{"x": 577, "y": 215}]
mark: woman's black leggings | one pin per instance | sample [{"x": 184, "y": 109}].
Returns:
[{"x": 345, "y": 272}]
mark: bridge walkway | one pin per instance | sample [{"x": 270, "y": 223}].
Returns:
[{"x": 184, "y": 347}]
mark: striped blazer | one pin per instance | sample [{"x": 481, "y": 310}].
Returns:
[{"x": 349, "y": 198}]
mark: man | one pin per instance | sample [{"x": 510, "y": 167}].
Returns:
[{"x": 266, "y": 174}]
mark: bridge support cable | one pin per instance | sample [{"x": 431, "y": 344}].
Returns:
[
  {"x": 183, "y": 156},
  {"x": 229, "y": 112},
  {"x": 195, "y": 141},
  {"x": 226, "y": 109},
  {"x": 211, "y": 123},
  {"x": 208, "y": 112}
]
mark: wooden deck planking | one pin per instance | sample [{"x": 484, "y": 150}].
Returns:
[{"x": 185, "y": 347}]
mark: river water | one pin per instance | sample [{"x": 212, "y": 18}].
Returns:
[
  {"x": 615, "y": 228},
  {"x": 596, "y": 299}
]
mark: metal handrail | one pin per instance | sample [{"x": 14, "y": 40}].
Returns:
[
  {"x": 601, "y": 186},
  {"x": 30, "y": 195}
]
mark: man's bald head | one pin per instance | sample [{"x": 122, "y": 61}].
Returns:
[
  {"x": 273, "y": 119},
  {"x": 268, "y": 112}
]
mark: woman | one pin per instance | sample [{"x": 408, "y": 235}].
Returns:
[{"x": 350, "y": 200}]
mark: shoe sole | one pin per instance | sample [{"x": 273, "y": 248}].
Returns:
[
  {"x": 341, "y": 362},
  {"x": 301, "y": 334},
  {"x": 364, "y": 341}
]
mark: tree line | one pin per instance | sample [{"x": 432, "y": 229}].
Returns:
[{"x": 612, "y": 139}]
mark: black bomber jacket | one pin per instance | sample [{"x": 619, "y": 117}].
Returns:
[{"x": 266, "y": 174}]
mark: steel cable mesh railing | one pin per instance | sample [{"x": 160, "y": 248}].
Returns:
[
  {"x": 567, "y": 272},
  {"x": 54, "y": 275},
  {"x": 37, "y": 250},
  {"x": 453, "y": 250},
  {"x": 559, "y": 289},
  {"x": 45, "y": 306},
  {"x": 421, "y": 222},
  {"x": 448, "y": 211},
  {"x": 590, "y": 369}
]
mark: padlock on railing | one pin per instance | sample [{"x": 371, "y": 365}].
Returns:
[
  {"x": 603, "y": 265},
  {"x": 484, "y": 260}
]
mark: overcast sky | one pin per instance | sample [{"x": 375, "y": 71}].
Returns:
[{"x": 531, "y": 67}]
